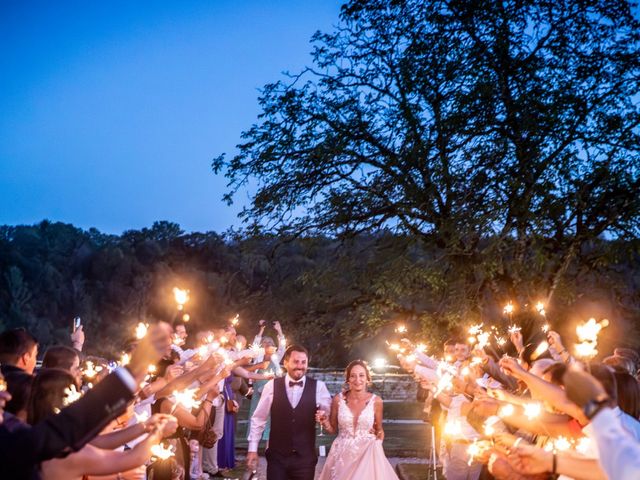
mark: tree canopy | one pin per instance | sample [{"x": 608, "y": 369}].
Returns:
[
  {"x": 341, "y": 299},
  {"x": 504, "y": 134}
]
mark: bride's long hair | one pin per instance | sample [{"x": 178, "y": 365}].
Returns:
[{"x": 347, "y": 373}]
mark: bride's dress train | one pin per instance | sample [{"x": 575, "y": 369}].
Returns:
[{"x": 356, "y": 454}]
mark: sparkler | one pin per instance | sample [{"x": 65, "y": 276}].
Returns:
[
  {"x": 532, "y": 410},
  {"x": 561, "y": 444},
  {"x": 452, "y": 428},
  {"x": 181, "y": 296},
  {"x": 186, "y": 317},
  {"x": 152, "y": 369},
  {"x": 540, "y": 309},
  {"x": 70, "y": 395},
  {"x": 186, "y": 399},
  {"x": 489, "y": 425},
  {"x": 583, "y": 445},
  {"x": 161, "y": 452},
  {"x": 3, "y": 385},
  {"x": 141, "y": 330},
  {"x": 540, "y": 349},
  {"x": 514, "y": 329},
  {"x": 90, "y": 370},
  {"x": 506, "y": 410},
  {"x": 445, "y": 383},
  {"x": 235, "y": 320},
  {"x": 588, "y": 336},
  {"x": 142, "y": 417},
  {"x": 125, "y": 359},
  {"x": 401, "y": 329},
  {"x": 508, "y": 309},
  {"x": 378, "y": 363},
  {"x": 421, "y": 347},
  {"x": 473, "y": 451},
  {"x": 545, "y": 328}
]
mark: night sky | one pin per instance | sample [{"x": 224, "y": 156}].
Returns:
[{"x": 110, "y": 112}]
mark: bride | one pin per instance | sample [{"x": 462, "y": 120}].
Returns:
[{"x": 357, "y": 417}]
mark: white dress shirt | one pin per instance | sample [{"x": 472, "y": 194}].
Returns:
[
  {"x": 619, "y": 452},
  {"x": 263, "y": 410}
]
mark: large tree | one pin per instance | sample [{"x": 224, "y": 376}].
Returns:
[{"x": 504, "y": 133}]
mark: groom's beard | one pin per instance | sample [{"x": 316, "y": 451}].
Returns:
[{"x": 297, "y": 373}]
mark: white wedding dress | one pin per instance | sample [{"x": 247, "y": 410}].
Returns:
[{"x": 356, "y": 454}]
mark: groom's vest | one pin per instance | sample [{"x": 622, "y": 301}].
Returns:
[{"x": 293, "y": 430}]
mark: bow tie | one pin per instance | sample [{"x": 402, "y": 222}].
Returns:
[{"x": 295, "y": 384}]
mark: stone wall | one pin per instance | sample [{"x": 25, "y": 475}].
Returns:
[{"x": 389, "y": 386}]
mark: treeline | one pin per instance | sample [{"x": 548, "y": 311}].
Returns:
[{"x": 341, "y": 298}]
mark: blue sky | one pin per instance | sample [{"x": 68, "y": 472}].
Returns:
[{"x": 112, "y": 111}]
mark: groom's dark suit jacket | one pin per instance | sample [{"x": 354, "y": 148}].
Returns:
[
  {"x": 293, "y": 430},
  {"x": 23, "y": 448}
]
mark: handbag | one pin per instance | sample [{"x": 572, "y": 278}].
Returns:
[
  {"x": 206, "y": 437},
  {"x": 232, "y": 407}
]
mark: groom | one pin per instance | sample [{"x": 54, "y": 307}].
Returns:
[{"x": 291, "y": 401}]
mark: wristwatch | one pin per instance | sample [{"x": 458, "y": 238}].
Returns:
[{"x": 592, "y": 407}]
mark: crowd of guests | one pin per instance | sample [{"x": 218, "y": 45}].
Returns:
[
  {"x": 85, "y": 417},
  {"x": 537, "y": 414}
]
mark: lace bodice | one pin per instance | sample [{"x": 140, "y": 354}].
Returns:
[{"x": 346, "y": 421}]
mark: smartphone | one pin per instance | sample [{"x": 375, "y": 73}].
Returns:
[{"x": 76, "y": 323}]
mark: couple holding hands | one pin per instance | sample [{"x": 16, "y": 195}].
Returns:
[{"x": 295, "y": 403}]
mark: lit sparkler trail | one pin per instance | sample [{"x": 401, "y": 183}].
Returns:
[
  {"x": 588, "y": 337},
  {"x": 162, "y": 452},
  {"x": 141, "y": 330},
  {"x": 401, "y": 329},
  {"x": 181, "y": 296},
  {"x": 514, "y": 329},
  {"x": 532, "y": 410},
  {"x": 508, "y": 308},
  {"x": 506, "y": 410},
  {"x": 452, "y": 428},
  {"x": 125, "y": 359},
  {"x": 91, "y": 370},
  {"x": 473, "y": 451},
  {"x": 540, "y": 349},
  {"x": 186, "y": 399},
  {"x": 235, "y": 320},
  {"x": 70, "y": 395}
]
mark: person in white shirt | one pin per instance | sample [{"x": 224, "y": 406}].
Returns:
[{"x": 292, "y": 402}]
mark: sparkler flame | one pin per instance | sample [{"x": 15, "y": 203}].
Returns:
[
  {"x": 588, "y": 337},
  {"x": 141, "y": 330},
  {"x": 186, "y": 398},
  {"x": 91, "y": 370},
  {"x": 181, "y": 296},
  {"x": 540, "y": 349},
  {"x": 506, "y": 410},
  {"x": 508, "y": 308},
  {"x": 540, "y": 309},
  {"x": 514, "y": 329},
  {"x": 401, "y": 329},
  {"x": 70, "y": 395},
  {"x": 532, "y": 410},
  {"x": 162, "y": 452},
  {"x": 473, "y": 451},
  {"x": 452, "y": 428},
  {"x": 235, "y": 320},
  {"x": 125, "y": 359}
]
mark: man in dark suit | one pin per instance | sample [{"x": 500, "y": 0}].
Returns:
[
  {"x": 23, "y": 447},
  {"x": 291, "y": 401}
]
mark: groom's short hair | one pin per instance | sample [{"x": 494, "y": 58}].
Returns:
[{"x": 295, "y": 348}]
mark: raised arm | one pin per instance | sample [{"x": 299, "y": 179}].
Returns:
[{"x": 540, "y": 389}]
